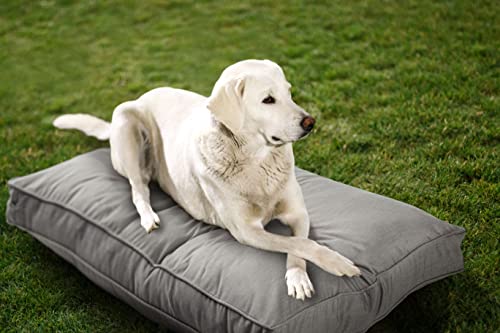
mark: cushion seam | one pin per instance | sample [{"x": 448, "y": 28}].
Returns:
[
  {"x": 377, "y": 281},
  {"x": 147, "y": 258}
]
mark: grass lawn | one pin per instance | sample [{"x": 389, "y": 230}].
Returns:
[{"x": 406, "y": 94}]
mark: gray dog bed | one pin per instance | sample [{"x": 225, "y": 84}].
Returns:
[{"x": 192, "y": 277}]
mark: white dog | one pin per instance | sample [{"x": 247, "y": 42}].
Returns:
[{"x": 226, "y": 159}]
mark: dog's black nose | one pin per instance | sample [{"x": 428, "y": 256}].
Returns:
[{"x": 307, "y": 123}]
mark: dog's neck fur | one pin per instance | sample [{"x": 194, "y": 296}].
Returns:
[
  {"x": 227, "y": 156},
  {"x": 249, "y": 145}
]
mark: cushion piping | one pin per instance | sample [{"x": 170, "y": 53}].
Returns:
[{"x": 231, "y": 307}]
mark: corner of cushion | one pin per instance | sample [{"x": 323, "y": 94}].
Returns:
[
  {"x": 11, "y": 209},
  {"x": 12, "y": 181},
  {"x": 14, "y": 190},
  {"x": 458, "y": 232},
  {"x": 462, "y": 229}
]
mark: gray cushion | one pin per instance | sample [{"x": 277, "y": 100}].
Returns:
[{"x": 191, "y": 276}]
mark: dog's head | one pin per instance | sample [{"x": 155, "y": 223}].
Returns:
[{"x": 253, "y": 97}]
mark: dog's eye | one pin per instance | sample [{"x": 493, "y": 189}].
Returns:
[{"x": 269, "y": 100}]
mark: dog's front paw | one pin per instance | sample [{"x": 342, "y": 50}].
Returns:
[
  {"x": 150, "y": 221},
  {"x": 298, "y": 283},
  {"x": 335, "y": 263}
]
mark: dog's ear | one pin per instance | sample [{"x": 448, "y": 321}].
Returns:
[{"x": 226, "y": 105}]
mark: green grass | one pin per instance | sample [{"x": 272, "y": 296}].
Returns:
[{"x": 406, "y": 95}]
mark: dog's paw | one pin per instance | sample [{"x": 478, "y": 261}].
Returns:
[
  {"x": 298, "y": 283},
  {"x": 150, "y": 221},
  {"x": 335, "y": 263}
]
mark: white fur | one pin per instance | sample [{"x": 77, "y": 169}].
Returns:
[
  {"x": 226, "y": 159},
  {"x": 86, "y": 123}
]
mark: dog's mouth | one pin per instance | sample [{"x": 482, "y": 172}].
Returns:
[
  {"x": 277, "y": 141},
  {"x": 273, "y": 140},
  {"x": 303, "y": 135}
]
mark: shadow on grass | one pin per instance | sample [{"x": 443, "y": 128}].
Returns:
[
  {"x": 425, "y": 310},
  {"x": 436, "y": 308},
  {"x": 415, "y": 314}
]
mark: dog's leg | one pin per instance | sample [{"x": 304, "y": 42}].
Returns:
[
  {"x": 298, "y": 283},
  {"x": 129, "y": 143},
  {"x": 253, "y": 233},
  {"x": 291, "y": 211}
]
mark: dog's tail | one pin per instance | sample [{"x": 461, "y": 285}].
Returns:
[{"x": 86, "y": 123}]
